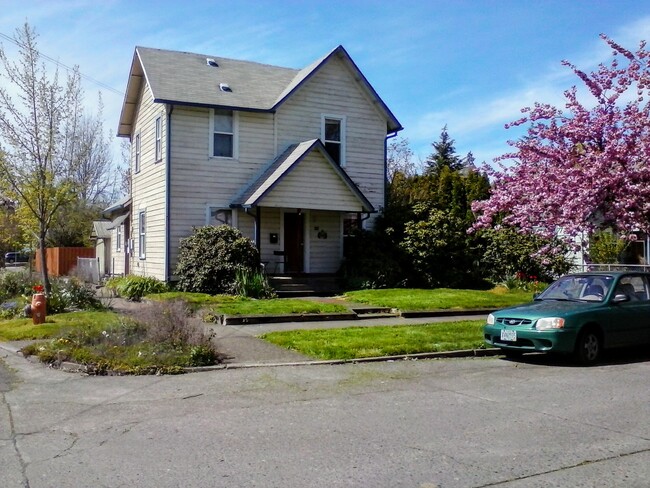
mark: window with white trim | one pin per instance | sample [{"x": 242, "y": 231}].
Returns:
[
  {"x": 137, "y": 153},
  {"x": 223, "y": 134},
  {"x": 158, "y": 138},
  {"x": 333, "y": 137},
  {"x": 217, "y": 216},
  {"x": 118, "y": 238},
  {"x": 142, "y": 235}
]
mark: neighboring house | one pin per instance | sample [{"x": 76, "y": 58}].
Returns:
[
  {"x": 291, "y": 157},
  {"x": 101, "y": 236}
]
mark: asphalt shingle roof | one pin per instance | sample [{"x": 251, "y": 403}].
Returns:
[{"x": 184, "y": 78}]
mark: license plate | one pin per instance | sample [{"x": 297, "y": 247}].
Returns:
[{"x": 509, "y": 335}]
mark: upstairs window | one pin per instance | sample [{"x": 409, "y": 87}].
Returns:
[
  {"x": 158, "y": 139},
  {"x": 137, "y": 153},
  {"x": 333, "y": 137},
  {"x": 223, "y": 141}
]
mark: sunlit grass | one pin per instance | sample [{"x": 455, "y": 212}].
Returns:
[
  {"x": 362, "y": 342},
  {"x": 439, "y": 298}
]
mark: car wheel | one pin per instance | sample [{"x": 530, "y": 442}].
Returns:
[{"x": 588, "y": 347}]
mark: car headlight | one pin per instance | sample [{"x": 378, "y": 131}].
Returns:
[
  {"x": 550, "y": 323},
  {"x": 490, "y": 319}
]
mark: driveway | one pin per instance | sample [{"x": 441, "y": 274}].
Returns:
[{"x": 434, "y": 423}]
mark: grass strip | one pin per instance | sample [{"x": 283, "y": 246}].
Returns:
[
  {"x": 363, "y": 342},
  {"x": 24, "y": 329},
  {"x": 440, "y": 298}
]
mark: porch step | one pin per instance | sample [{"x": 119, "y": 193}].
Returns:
[{"x": 287, "y": 286}]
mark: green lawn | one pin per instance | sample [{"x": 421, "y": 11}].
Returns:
[
  {"x": 23, "y": 329},
  {"x": 362, "y": 342},
  {"x": 440, "y": 298}
]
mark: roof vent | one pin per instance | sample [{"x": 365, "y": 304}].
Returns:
[
  {"x": 211, "y": 62},
  {"x": 224, "y": 87}
]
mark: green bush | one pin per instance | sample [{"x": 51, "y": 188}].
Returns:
[
  {"x": 371, "y": 261},
  {"x": 135, "y": 287},
  {"x": 209, "y": 260},
  {"x": 16, "y": 283}
]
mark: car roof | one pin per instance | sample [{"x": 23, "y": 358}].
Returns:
[{"x": 610, "y": 273}]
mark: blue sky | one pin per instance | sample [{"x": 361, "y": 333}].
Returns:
[{"x": 470, "y": 65}]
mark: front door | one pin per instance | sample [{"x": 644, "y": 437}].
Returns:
[
  {"x": 126, "y": 245},
  {"x": 294, "y": 243}
]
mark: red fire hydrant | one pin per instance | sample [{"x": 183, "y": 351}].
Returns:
[{"x": 38, "y": 306}]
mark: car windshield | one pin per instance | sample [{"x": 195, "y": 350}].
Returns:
[{"x": 589, "y": 288}]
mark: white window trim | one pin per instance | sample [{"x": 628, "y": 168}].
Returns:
[
  {"x": 118, "y": 237},
  {"x": 342, "y": 119},
  {"x": 234, "y": 213},
  {"x": 138, "y": 153},
  {"x": 142, "y": 234},
  {"x": 158, "y": 139},
  {"x": 235, "y": 136}
]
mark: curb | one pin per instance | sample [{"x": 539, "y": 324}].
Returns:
[
  {"x": 478, "y": 353},
  {"x": 80, "y": 368},
  {"x": 358, "y": 314}
]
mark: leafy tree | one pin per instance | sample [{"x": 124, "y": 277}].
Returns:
[
  {"x": 510, "y": 252},
  {"x": 606, "y": 247},
  {"x": 49, "y": 145},
  {"x": 209, "y": 259},
  {"x": 399, "y": 159},
  {"x": 585, "y": 167},
  {"x": 11, "y": 237}
]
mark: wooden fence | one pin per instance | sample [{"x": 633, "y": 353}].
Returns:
[{"x": 61, "y": 260}]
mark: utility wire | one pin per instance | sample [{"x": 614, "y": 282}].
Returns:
[{"x": 67, "y": 68}]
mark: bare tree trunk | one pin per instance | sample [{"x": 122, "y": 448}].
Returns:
[{"x": 44, "y": 272}]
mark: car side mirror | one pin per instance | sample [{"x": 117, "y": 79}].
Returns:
[{"x": 620, "y": 298}]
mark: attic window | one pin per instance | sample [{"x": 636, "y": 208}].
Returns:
[
  {"x": 211, "y": 62},
  {"x": 224, "y": 87}
]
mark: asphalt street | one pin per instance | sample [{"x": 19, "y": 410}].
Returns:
[{"x": 432, "y": 423}]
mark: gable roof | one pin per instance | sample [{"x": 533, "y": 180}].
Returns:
[
  {"x": 183, "y": 78},
  {"x": 287, "y": 162}
]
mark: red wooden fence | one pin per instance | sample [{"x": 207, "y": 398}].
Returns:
[{"x": 61, "y": 260}]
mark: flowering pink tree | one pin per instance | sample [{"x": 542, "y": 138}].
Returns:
[{"x": 584, "y": 167}]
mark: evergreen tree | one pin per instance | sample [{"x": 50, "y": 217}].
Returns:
[{"x": 444, "y": 155}]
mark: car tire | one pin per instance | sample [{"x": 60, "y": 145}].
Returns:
[{"x": 588, "y": 347}]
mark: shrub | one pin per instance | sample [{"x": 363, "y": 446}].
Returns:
[
  {"x": 371, "y": 261},
  {"x": 15, "y": 283},
  {"x": 253, "y": 284},
  {"x": 209, "y": 260},
  {"x": 135, "y": 287}
]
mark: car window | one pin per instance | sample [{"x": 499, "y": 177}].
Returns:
[
  {"x": 634, "y": 287},
  {"x": 592, "y": 288}
]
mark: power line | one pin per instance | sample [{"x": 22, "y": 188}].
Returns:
[{"x": 67, "y": 68}]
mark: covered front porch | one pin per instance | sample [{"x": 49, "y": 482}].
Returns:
[{"x": 302, "y": 205}]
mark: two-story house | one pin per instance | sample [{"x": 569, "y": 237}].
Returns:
[{"x": 290, "y": 157}]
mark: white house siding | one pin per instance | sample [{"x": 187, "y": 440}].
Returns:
[
  {"x": 148, "y": 189},
  {"x": 313, "y": 184},
  {"x": 333, "y": 91},
  {"x": 199, "y": 181},
  {"x": 117, "y": 256},
  {"x": 270, "y": 224},
  {"x": 325, "y": 252}
]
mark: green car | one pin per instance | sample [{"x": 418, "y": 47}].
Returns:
[{"x": 579, "y": 314}]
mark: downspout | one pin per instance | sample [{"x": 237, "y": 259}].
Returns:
[
  {"x": 258, "y": 218},
  {"x": 168, "y": 196}
]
